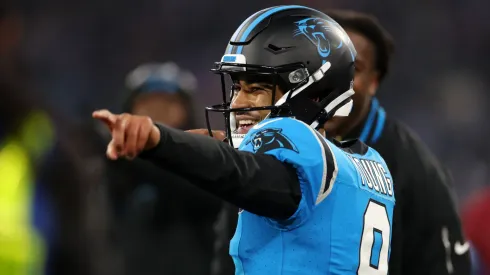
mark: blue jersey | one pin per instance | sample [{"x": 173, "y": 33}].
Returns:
[{"x": 343, "y": 222}]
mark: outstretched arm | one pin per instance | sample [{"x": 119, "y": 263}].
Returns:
[{"x": 258, "y": 183}]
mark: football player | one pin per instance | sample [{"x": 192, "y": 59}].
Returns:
[
  {"x": 425, "y": 215},
  {"x": 308, "y": 204}
]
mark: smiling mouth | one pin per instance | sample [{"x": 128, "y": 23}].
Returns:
[{"x": 245, "y": 125}]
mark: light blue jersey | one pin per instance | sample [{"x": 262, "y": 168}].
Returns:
[{"x": 343, "y": 222}]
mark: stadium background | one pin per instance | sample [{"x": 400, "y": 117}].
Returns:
[{"x": 79, "y": 53}]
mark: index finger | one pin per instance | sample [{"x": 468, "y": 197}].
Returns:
[{"x": 105, "y": 116}]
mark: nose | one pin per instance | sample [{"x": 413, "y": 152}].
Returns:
[{"x": 241, "y": 100}]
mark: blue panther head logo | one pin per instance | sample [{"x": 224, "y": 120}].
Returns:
[
  {"x": 315, "y": 30},
  {"x": 269, "y": 139}
]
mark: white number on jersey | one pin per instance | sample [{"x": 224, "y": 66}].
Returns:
[{"x": 375, "y": 240}]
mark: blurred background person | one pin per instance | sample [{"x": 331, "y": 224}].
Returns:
[
  {"x": 47, "y": 197},
  {"x": 162, "y": 91},
  {"x": 163, "y": 220},
  {"x": 425, "y": 210}
]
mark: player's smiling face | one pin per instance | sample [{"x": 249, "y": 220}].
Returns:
[{"x": 248, "y": 95}]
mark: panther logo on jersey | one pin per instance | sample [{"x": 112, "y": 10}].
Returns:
[{"x": 270, "y": 139}]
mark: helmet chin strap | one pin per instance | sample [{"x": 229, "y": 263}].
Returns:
[
  {"x": 343, "y": 110},
  {"x": 236, "y": 139}
]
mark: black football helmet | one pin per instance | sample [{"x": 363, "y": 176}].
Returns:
[{"x": 303, "y": 51}]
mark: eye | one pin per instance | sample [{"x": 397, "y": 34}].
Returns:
[{"x": 256, "y": 89}]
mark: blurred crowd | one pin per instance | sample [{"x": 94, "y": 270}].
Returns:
[
  {"x": 79, "y": 54},
  {"x": 60, "y": 61}
]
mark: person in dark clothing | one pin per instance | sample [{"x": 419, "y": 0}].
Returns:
[
  {"x": 163, "y": 220},
  {"x": 423, "y": 188}
]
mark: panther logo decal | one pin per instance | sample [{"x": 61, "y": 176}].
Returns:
[
  {"x": 315, "y": 30},
  {"x": 270, "y": 139}
]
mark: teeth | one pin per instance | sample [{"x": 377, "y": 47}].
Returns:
[{"x": 246, "y": 122}]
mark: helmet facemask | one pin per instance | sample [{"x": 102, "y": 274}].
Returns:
[
  {"x": 292, "y": 78},
  {"x": 251, "y": 73}
]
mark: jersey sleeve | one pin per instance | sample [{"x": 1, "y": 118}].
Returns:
[
  {"x": 292, "y": 141},
  {"x": 241, "y": 178}
]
